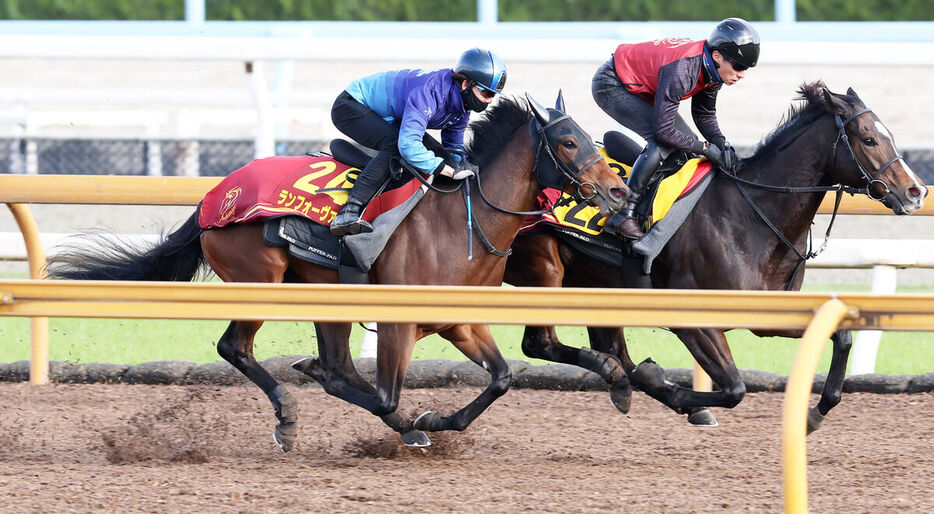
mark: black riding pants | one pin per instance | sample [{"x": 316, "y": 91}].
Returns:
[
  {"x": 629, "y": 110},
  {"x": 364, "y": 126}
]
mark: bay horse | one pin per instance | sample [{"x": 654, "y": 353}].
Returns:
[
  {"x": 727, "y": 243},
  {"x": 519, "y": 146}
]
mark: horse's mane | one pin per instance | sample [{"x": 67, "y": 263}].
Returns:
[
  {"x": 799, "y": 117},
  {"x": 487, "y": 135}
]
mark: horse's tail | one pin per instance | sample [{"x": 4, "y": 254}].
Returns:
[{"x": 105, "y": 256}]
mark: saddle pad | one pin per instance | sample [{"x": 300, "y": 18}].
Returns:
[
  {"x": 588, "y": 219},
  {"x": 305, "y": 239},
  {"x": 311, "y": 186}
]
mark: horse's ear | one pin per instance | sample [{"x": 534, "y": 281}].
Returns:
[
  {"x": 834, "y": 103},
  {"x": 559, "y": 103},
  {"x": 852, "y": 93},
  {"x": 540, "y": 112}
]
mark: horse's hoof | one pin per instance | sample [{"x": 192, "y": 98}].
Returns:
[
  {"x": 311, "y": 366},
  {"x": 621, "y": 398},
  {"x": 649, "y": 375},
  {"x": 285, "y": 436},
  {"x": 428, "y": 421},
  {"x": 703, "y": 418},
  {"x": 415, "y": 439},
  {"x": 815, "y": 418},
  {"x": 302, "y": 364}
]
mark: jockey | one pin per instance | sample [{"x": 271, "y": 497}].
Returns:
[
  {"x": 642, "y": 85},
  {"x": 390, "y": 111}
]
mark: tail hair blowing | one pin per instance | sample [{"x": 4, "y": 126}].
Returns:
[{"x": 107, "y": 256}]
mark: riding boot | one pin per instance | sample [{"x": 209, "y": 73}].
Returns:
[
  {"x": 642, "y": 170},
  {"x": 348, "y": 221},
  {"x": 371, "y": 177}
]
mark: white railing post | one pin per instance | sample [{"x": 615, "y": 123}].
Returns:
[
  {"x": 866, "y": 346},
  {"x": 487, "y": 12},
  {"x": 785, "y": 11},
  {"x": 368, "y": 347},
  {"x": 264, "y": 142}
]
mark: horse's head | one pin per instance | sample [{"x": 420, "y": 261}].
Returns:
[
  {"x": 865, "y": 155},
  {"x": 567, "y": 159}
]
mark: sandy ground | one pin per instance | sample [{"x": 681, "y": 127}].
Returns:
[{"x": 78, "y": 448}]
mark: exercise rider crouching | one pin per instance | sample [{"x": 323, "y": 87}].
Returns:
[
  {"x": 390, "y": 112},
  {"x": 643, "y": 84}
]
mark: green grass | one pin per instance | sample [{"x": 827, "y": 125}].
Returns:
[{"x": 132, "y": 341}]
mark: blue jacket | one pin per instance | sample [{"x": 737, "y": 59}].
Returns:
[{"x": 416, "y": 100}]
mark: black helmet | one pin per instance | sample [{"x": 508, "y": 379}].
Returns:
[
  {"x": 484, "y": 68},
  {"x": 737, "y": 41}
]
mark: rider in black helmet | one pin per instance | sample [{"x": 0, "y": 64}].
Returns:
[{"x": 643, "y": 84}]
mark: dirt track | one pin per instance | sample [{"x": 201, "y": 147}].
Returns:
[{"x": 209, "y": 449}]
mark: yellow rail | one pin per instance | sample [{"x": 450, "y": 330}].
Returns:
[{"x": 458, "y": 304}]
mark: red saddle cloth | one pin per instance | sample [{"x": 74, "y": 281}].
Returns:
[{"x": 313, "y": 186}]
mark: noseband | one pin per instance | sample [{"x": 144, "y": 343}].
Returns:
[
  {"x": 553, "y": 172},
  {"x": 872, "y": 180}
]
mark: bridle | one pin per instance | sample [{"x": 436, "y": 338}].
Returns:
[
  {"x": 549, "y": 173},
  {"x": 553, "y": 172},
  {"x": 871, "y": 181}
]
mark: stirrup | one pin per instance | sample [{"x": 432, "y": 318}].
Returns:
[{"x": 351, "y": 228}]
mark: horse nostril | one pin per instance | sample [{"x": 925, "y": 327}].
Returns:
[
  {"x": 916, "y": 192},
  {"x": 618, "y": 192}
]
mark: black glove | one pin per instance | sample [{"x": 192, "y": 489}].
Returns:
[
  {"x": 721, "y": 159},
  {"x": 730, "y": 160}
]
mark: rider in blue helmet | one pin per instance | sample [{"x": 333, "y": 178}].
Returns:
[{"x": 390, "y": 112}]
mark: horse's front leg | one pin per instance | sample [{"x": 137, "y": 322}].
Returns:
[
  {"x": 335, "y": 371},
  {"x": 236, "y": 347},
  {"x": 477, "y": 343},
  {"x": 543, "y": 343},
  {"x": 833, "y": 386}
]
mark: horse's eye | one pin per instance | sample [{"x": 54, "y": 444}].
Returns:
[
  {"x": 570, "y": 145},
  {"x": 870, "y": 142}
]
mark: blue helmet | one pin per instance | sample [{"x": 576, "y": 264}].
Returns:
[{"x": 484, "y": 68}]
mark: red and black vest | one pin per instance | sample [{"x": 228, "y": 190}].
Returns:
[{"x": 637, "y": 64}]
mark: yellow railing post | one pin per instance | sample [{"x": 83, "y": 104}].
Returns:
[
  {"x": 797, "y": 393},
  {"x": 39, "y": 360},
  {"x": 702, "y": 380}
]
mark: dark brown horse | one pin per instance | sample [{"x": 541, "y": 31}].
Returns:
[
  {"x": 727, "y": 243},
  {"x": 517, "y": 145}
]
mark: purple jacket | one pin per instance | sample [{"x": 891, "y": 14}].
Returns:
[{"x": 416, "y": 100}]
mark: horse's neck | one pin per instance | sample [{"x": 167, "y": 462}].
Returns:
[
  {"x": 806, "y": 162},
  {"x": 437, "y": 227}
]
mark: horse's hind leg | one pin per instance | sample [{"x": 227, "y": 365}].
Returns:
[
  {"x": 236, "y": 347},
  {"x": 833, "y": 386},
  {"x": 477, "y": 343},
  {"x": 613, "y": 342},
  {"x": 710, "y": 350},
  {"x": 543, "y": 343},
  {"x": 335, "y": 371},
  {"x": 237, "y": 254}
]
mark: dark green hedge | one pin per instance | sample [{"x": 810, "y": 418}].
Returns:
[
  {"x": 466, "y": 10},
  {"x": 92, "y": 9},
  {"x": 634, "y": 10}
]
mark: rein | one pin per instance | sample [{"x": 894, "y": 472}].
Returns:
[{"x": 840, "y": 189}]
